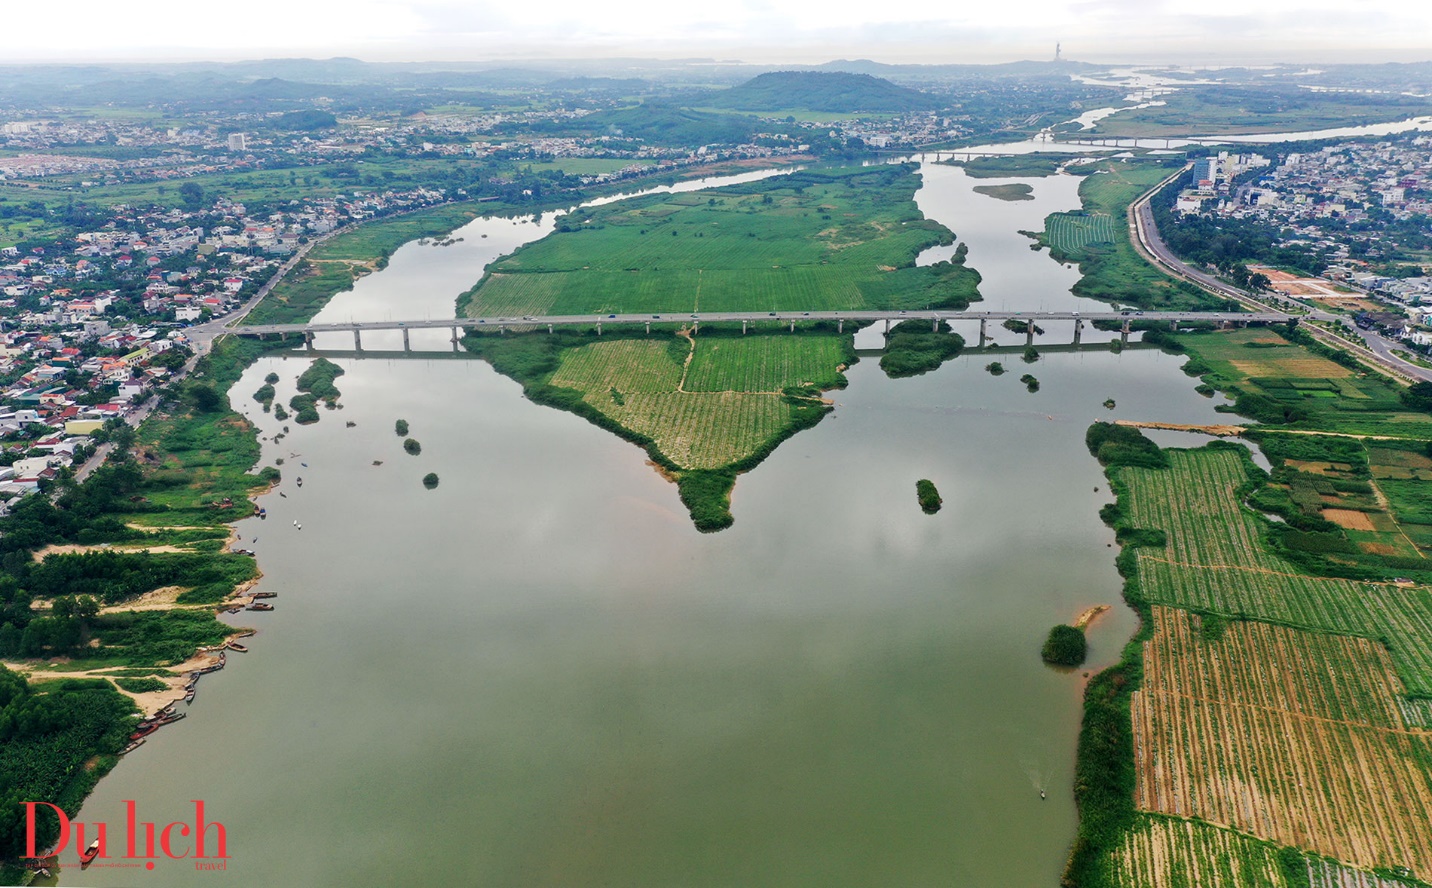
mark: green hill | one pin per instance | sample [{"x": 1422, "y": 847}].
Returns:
[{"x": 834, "y": 91}]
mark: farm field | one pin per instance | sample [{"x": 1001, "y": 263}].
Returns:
[
  {"x": 842, "y": 239},
  {"x": 707, "y": 402},
  {"x": 1072, "y": 234},
  {"x": 1215, "y": 561},
  {"x": 1116, "y": 273},
  {"x": 1168, "y": 851},
  {"x": 1287, "y": 735}
]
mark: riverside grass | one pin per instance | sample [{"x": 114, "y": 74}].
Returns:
[{"x": 708, "y": 405}]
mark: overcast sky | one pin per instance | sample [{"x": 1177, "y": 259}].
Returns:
[{"x": 1197, "y": 31}]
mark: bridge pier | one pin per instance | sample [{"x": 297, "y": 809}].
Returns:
[
  {"x": 840, "y": 325},
  {"x": 406, "y": 346},
  {"x": 1029, "y": 333},
  {"x": 695, "y": 327},
  {"x": 357, "y": 340},
  {"x": 308, "y": 341},
  {"x": 648, "y": 327},
  {"x": 793, "y": 325},
  {"x": 934, "y": 325},
  {"x": 456, "y": 339},
  {"x": 599, "y": 328},
  {"x": 550, "y": 331},
  {"x": 887, "y": 326},
  {"x": 1173, "y": 325},
  {"x": 1124, "y": 334},
  {"x": 1078, "y": 329},
  {"x": 983, "y": 321}
]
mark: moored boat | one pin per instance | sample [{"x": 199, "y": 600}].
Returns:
[
  {"x": 260, "y": 606},
  {"x": 235, "y": 646},
  {"x": 89, "y": 854}
]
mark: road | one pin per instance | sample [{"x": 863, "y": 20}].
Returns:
[{"x": 1376, "y": 348}]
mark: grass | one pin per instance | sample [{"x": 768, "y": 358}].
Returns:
[
  {"x": 1014, "y": 191},
  {"x": 1015, "y": 166},
  {"x": 1224, "y": 110},
  {"x": 842, "y": 239},
  {"x": 1112, "y": 270}
]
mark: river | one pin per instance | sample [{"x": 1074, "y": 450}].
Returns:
[{"x": 540, "y": 674}]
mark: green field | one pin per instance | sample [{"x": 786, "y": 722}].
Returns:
[
  {"x": 1114, "y": 272},
  {"x": 844, "y": 239},
  {"x": 712, "y": 412},
  {"x": 1223, "y": 110},
  {"x": 1077, "y": 235},
  {"x": 1215, "y": 561},
  {"x": 1015, "y": 166}
]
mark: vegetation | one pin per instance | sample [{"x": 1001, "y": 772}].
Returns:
[
  {"x": 140, "y": 685},
  {"x": 813, "y": 240},
  {"x": 1116, "y": 445},
  {"x": 912, "y": 348},
  {"x": 401, "y": 427},
  {"x": 1065, "y": 646},
  {"x": 832, "y": 91},
  {"x": 430, "y": 480},
  {"x": 412, "y": 447},
  {"x": 1098, "y": 239},
  {"x": 1030, "y": 383},
  {"x": 1261, "y": 108},
  {"x": 1015, "y": 191},
  {"x": 929, "y": 497},
  {"x": 1014, "y": 165},
  {"x": 995, "y": 368}
]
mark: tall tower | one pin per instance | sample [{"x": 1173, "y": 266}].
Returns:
[{"x": 1057, "y": 53}]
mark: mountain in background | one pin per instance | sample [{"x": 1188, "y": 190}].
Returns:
[{"x": 835, "y": 92}]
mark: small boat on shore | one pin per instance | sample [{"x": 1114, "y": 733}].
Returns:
[
  {"x": 133, "y": 745},
  {"x": 260, "y": 606},
  {"x": 265, "y": 595},
  {"x": 89, "y": 854},
  {"x": 235, "y": 609},
  {"x": 143, "y": 732},
  {"x": 235, "y": 646}
]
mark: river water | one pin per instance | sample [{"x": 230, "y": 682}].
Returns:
[{"x": 539, "y": 674}]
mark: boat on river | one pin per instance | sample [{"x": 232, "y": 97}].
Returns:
[
  {"x": 260, "y": 606},
  {"x": 89, "y": 854}
]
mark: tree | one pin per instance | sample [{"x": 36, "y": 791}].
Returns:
[
  {"x": 1418, "y": 396},
  {"x": 192, "y": 195}
]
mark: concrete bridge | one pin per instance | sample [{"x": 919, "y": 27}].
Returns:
[{"x": 747, "y": 318}]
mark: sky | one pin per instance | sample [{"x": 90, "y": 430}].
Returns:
[{"x": 762, "y": 31}]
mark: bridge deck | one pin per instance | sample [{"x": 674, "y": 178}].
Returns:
[{"x": 783, "y": 317}]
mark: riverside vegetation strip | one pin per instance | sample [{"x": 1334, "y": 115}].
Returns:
[
  {"x": 708, "y": 405},
  {"x": 1269, "y": 725}
]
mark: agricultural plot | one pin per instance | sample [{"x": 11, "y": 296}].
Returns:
[
  {"x": 1296, "y": 737},
  {"x": 807, "y": 241},
  {"x": 1072, "y": 234},
  {"x": 1215, "y": 561},
  {"x": 1167, "y": 852},
  {"x": 764, "y": 363},
  {"x": 716, "y": 410}
]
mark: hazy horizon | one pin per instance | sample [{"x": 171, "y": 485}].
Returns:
[{"x": 1215, "y": 32}]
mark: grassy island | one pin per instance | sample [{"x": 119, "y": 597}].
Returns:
[
  {"x": 707, "y": 402},
  {"x": 929, "y": 497}
]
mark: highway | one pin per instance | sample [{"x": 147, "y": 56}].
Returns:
[{"x": 1375, "y": 347}]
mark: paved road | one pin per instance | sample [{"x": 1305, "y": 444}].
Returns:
[
  {"x": 1376, "y": 348},
  {"x": 774, "y": 317}
]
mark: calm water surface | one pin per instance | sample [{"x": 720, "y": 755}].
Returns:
[{"x": 539, "y": 674}]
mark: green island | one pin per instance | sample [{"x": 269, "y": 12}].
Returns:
[
  {"x": 1311, "y": 578},
  {"x": 928, "y": 496},
  {"x": 1014, "y": 191},
  {"x": 1065, "y": 646},
  {"x": 314, "y": 384},
  {"x": 710, "y": 402},
  {"x": 1258, "y": 108}
]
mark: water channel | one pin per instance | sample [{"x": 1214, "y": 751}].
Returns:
[{"x": 540, "y": 674}]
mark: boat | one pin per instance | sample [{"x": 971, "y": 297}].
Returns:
[
  {"x": 265, "y": 595},
  {"x": 89, "y": 854},
  {"x": 170, "y": 719},
  {"x": 133, "y": 745},
  {"x": 143, "y": 732},
  {"x": 235, "y": 646},
  {"x": 300, "y": 482},
  {"x": 260, "y": 606},
  {"x": 189, "y": 697}
]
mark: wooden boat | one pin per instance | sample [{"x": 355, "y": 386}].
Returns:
[
  {"x": 134, "y": 744},
  {"x": 144, "y": 732},
  {"x": 189, "y": 697},
  {"x": 89, "y": 854},
  {"x": 235, "y": 646},
  {"x": 265, "y": 595},
  {"x": 260, "y": 606}
]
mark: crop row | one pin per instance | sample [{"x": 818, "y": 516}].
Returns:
[
  {"x": 631, "y": 366},
  {"x": 1288, "y": 735},
  {"x": 763, "y": 363},
  {"x": 1166, "y": 852},
  {"x": 1215, "y": 561},
  {"x": 1070, "y": 233},
  {"x": 701, "y": 430}
]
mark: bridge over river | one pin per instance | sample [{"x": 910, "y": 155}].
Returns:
[{"x": 766, "y": 319}]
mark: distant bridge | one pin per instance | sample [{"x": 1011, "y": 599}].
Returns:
[{"x": 747, "y": 318}]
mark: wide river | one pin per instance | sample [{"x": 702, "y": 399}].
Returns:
[{"x": 539, "y": 674}]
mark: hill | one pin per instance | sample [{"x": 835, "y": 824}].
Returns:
[{"x": 833, "y": 91}]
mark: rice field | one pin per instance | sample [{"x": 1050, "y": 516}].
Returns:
[
  {"x": 1215, "y": 561},
  {"x": 631, "y": 366},
  {"x": 1166, "y": 852},
  {"x": 702, "y": 430},
  {"x": 1296, "y": 737}
]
